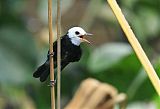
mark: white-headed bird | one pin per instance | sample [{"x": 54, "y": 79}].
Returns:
[{"x": 70, "y": 51}]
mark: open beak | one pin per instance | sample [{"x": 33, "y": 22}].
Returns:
[{"x": 83, "y": 37}]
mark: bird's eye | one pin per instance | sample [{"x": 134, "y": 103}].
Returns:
[{"x": 77, "y": 33}]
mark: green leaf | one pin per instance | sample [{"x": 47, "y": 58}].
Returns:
[
  {"x": 141, "y": 83},
  {"x": 108, "y": 55},
  {"x": 17, "y": 55}
]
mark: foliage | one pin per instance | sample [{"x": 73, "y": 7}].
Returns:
[{"x": 23, "y": 47}]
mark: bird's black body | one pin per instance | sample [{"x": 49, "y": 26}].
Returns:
[{"x": 69, "y": 53}]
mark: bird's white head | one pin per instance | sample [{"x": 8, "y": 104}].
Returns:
[{"x": 77, "y": 34}]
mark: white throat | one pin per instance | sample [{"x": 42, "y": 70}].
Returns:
[{"x": 75, "y": 41}]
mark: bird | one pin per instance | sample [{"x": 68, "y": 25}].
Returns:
[{"x": 70, "y": 52}]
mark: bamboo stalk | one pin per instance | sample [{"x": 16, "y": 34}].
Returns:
[
  {"x": 51, "y": 51},
  {"x": 136, "y": 45},
  {"x": 59, "y": 54}
]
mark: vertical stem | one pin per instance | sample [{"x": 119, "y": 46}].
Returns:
[
  {"x": 136, "y": 45},
  {"x": 51, "y": 51},
  {"x": 59, "y": 54}
]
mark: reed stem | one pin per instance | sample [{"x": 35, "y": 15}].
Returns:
[
  {"x": 59, "y": 54},
  {"x": 136, "y": 45},
  {"x": 51, "y": 51}
]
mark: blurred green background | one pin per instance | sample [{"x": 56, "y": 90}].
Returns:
[{"x": 24, "y": 45}]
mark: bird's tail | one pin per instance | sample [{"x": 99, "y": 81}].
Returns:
[{"x": 42, "y": 72}]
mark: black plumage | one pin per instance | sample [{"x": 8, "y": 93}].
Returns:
[{"x": 69, "y": 53}]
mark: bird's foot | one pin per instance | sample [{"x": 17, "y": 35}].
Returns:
[
  {"x": 51, "y": 54},
  {"x": 52, "y": 83}
]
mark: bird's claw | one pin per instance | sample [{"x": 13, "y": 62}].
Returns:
[
  {"x": 52, "y": 83},
  {"x": 51, "y": 54}
]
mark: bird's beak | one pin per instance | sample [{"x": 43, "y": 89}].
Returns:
[
  {"x": 83, "y": 37},
  {"x": 88, "y": 34}
]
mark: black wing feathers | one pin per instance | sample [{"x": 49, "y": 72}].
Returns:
[
  {"x": 69, "y": 53},
  {"x": 40, "y": 70}
]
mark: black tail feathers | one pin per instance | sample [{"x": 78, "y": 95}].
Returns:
[{"x": 42, "y": 72}]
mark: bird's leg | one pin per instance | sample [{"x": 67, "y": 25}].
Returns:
[
  {"x": 52, "y": 83},
  {"x": 50, "y": 54}
]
